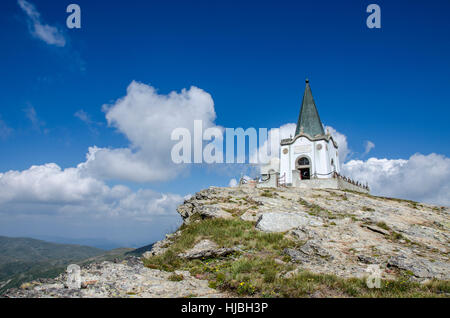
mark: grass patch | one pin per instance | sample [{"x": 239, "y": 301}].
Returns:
[
  {"x": 383, "y": 226},
  {"x": 226, "y": 233},
  {"x": 395, "y": 236},
  {"x": 316, "y": 210},
  {"x": 254, "y": 272},
  {"x": 267, "y": 194},
  {"x": 342, "y": 197},
  {"x": 367, "y": 209},
  {"x": 233, "y": 211},
  {"x": 176, "y": 277}
]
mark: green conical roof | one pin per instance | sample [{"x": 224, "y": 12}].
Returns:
[{"x": 309, "y": 118}]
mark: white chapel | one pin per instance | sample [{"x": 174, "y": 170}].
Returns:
[{"x": 310, "y": 158}]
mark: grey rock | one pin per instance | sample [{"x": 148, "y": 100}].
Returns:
[
  {"x": 367, "y": 259},
  {"x": 311, "y": 251},
  {"x": 303, "y": 233},
  {"x": 211, "y": 211},
  {"x": 128, "y": 279},
  {"x": 376, "y": 229},
  {"x": 250, "y": 216},
  {"x": 415, "y": 266},
  {"x": 282, "y": 222},
  {"x": 160, "y": 247},
  {"x": 313, "y": 248},
  {"x": 205, "y": 249}
]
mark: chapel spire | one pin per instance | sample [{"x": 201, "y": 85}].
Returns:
[{"x": 309, "y": 120}]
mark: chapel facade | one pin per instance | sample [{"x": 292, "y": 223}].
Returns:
[
  {"x": 310, "y": 158},
  {"x": 310, "y": 153}
]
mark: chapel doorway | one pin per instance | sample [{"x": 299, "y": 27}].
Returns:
[{"x": 303, "y": 164}]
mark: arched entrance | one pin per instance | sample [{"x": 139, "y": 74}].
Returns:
[{"x": 303, "y": 164}]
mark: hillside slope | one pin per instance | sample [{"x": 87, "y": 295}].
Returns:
[
  {"x": 25, "y": 259},
  {"x": 292, "y": 242},
  {"x": 283, "y": 242}
]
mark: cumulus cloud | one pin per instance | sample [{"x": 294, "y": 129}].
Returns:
[
  {"x": 50, "y": 189},
  {"x": 424, "y": 178},
  {"x": 79, "y": 197},
  {"x": 47, "y": 33},
  {"x": 341, "y": 140},
  {"x": 271, "y": 146},
  {"x": 147, "y": 119}
]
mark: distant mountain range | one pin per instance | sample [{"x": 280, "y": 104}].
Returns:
[{"x": 25, "y": 259}]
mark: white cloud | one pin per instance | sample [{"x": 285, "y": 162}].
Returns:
[
  {"x": 369, "y": 146},
  {"x": 50, "y": 189},
  {"x": 86, "y": 118},
  {"x": 5, "y": 130},
  {"x": 36, "y": 122},
  {"x": 49, "y": 34},
  {"x": 271, "y": 146},
  {"x": 83, "y": 116},
  {"x": 424, "y": 178},
  {"x": 78, "y": 197},
  {"x": 341, "y": 140},
  {"x": 147, "y": 119},
  {"x": 233, "y": 183}
]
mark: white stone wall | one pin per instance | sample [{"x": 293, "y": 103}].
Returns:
[
  {"x": 272, "y": 166},
  {"x": 320, "y": 159},
  {"x": 271, "y": 180},
  {"x": 330, "y": 183}
]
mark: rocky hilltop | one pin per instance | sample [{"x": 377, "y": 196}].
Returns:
[{"x": 283, "y": 242}]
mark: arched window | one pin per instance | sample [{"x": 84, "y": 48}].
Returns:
[
  {"x": 303, "y": 161},
  {"x": 303, "y": 165}
]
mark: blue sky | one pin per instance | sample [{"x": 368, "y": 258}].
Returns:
[{"x": 388, "y": 86}]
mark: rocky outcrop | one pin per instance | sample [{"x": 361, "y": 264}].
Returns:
[
  {"x": 129, "y": 279},
  {"x": 160, "y": 247},
  {"x": 340, "y": 232},
  {"x": 420, "y": 267},
  {"x": 206, "y": 249},
  {"x": 198, "y": 205},
  {"x": 329, "y": 231},
  {"x": 282, "y": 222}
]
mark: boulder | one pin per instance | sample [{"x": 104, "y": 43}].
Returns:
[
  {"x": 310, "y": 251},
  {"x": 420, "y": 268},
  {"x": 283, "y": 221},
  {"x": 303, "y": 233},
  {"x": 211, "y": 211},
  {"x": 206, "y": 249},
  {"x": 192, "y": 207}
]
